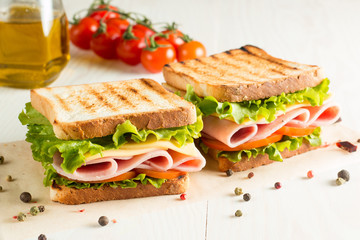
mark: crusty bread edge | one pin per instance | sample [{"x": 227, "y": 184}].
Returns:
[
  {"x": 73, "y": 196},
  {"x": 260, "y": 160},
  {"x": 104, "y": 126},
  {"x": 245, "y": 92}
]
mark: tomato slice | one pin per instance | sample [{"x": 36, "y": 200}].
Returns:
[
  {"x": 127, "y": 175},
  {"x": 295, "y": 132},
  {"x": 169, "y": 174},
  {"x": 215, "y": 144}
]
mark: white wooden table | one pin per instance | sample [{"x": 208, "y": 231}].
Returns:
[{"x": 325, "y": 33}]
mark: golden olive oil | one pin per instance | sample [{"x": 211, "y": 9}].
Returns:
[{"x": 34, "y": 47}]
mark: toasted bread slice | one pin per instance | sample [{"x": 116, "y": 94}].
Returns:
[
  {"x": 94, "y": 110},
  {"x": 72, "y": 196},
  {"x": 248, "y": 73},
  {"x": 246, "y": 163}
]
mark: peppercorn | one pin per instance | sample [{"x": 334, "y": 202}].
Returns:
[
  {"x": 21, "y": 217},
  {"x": 250, "y": 175},
  {"x": 340, "y": 181},
  {"x": 34, "y": 210},
  {"x": 344, "y": 175},
  {"x": 1, "y": 188},
  {"x": 1, "y": 159},
  {"x": 42, "y": 237},
  {"x": 103, "y": 221},
  {"x": 41, "y": 208},
  {"x": 277, "y": 185},
  {"x": 9, "y": 178},
  {"x": 238, "y": 213},
  {"x": 247, "y": 197},
  {"x": 183, "y": 196},
  {"x": 310, "y": 174},
  {"x": 238, "y": 191},
  {"x": 229, "y": 172},
  {"x": 25, "y": 197}
]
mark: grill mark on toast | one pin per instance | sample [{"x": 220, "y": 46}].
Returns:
[
  {"x": 113, "y": 92},
  {"x": 102, "y": 99},
  {"x": 227, "y": 63},
  {"x": 153, "y": 88},
  {"x": 277, "y": 71},
  {"x": 133, "y": 90},
  {"x": 63, "y": 103},
  {"x": 267, "y": 59}
]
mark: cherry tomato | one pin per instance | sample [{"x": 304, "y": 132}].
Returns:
[
  {"x": 104, "y": 44},
  {"x": 81, "y": 33},
  {"x": 98, "y": 15},
  {"x": 155, "y": 60},
  {"x": 190, "y": 50},
  {"x": 129, "y": 50},
  {"x": 174, "y": 37},
  {"x": 147, "y": 31},
  {"x": 122, "y": 24}
]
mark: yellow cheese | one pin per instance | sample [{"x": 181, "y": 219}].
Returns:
[{"x": 131, "y": 149}]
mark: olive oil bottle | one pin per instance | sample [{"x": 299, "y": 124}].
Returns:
[{"x": 34, "y": 44}]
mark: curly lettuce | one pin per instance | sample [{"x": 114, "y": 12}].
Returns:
[
  {"x": 44, "y": 143},
  {"x": 255, "y": 109},
  {"x": 272, "y": 150}
]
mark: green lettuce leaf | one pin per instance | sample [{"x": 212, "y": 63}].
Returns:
[
  {"x": 44, "y": 143},
  {"x": 273, "y": 150},
  {"x": 51, "y": 175},
  {"x": 254, "y": 109}
]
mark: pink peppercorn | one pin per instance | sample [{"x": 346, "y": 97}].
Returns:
[
  {"x": 277, "y": 185},
  {"x": 310, "y": 174},
  {"x": 183, "y": 196},
  {"x": 250, "y": 175}
]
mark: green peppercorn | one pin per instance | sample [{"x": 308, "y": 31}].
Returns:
[
  {"x": 229, "y": 172},
  {"x": 247, "y": 197},
  {"x": 41, "y": 208},
  {"x": 21, "y": 217},
  {"x": 9, "y": 178},
  {"x": 34, "y": 210},
  {"x": 2, "y": 159},
  {"x": 42, "y": 237},
  {"x": 25, "y": 197},
  {"x": 340, "y": 181},
  {"x": 1, "y": 188},
  {"x": 344, "y": 175},
  {"x": 238, "y": 191},
  {"x": 238, "y": 213},
  {"x": 103, "y": 221}
]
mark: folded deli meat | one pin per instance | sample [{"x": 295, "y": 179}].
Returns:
[
  {"x": 299, "y": 116},
  {"x": 110, "y": 165}
]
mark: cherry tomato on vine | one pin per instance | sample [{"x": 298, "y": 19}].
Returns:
[
  {"x": 82, "y": 32},
  {"x": 122, "y": 24},
  {"x": 104, "y": 44},
  {"x": 154, "y": 59},
  {"x": 130, "y": 45},
  {"x": 98, "y": 15},
  {"x": 174, "y": 37},
  {"x": 190, "y": 50},
  {"x": 147, "y": 31}
]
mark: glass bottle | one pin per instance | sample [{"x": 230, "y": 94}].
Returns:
[{"x": 34, "y": 42}]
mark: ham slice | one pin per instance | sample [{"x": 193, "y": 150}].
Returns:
[
  {"x": 233, "y": 134},
  {"x": 109, "y": 167}
]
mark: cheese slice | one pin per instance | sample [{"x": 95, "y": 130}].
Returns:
[{"x": 133, "y": 148}]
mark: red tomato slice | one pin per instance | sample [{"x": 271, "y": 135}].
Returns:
[
  {"x": 215, "y": 144},
  {"x": 295, "y": 132},
  {"x": 169, "y": 174}
]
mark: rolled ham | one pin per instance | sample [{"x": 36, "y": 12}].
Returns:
[
  {"x": 233, "y": 134},
  {"x": 109, "y": 167}
]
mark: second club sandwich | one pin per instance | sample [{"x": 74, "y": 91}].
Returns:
[
  {"x": 257, "y": 108},
  {"x": 115, "y": 140}
]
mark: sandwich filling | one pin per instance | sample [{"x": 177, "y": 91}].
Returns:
[
  {"x": 266, "y": 126},
  {"x": 124, "y": 159}
]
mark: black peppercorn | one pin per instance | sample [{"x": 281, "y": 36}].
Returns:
[
  {"x": 103, "y": 221},
  {"x": 25, "y": 197},
  {"x": 42, "y": 237},
  {"x": 41, "y": 208},
  {"x": 247, "y": 197},
  {"x": 229, "y": 172},
  {"x": 2, "y": 159},
  {"x": 344, "y": 175}
]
